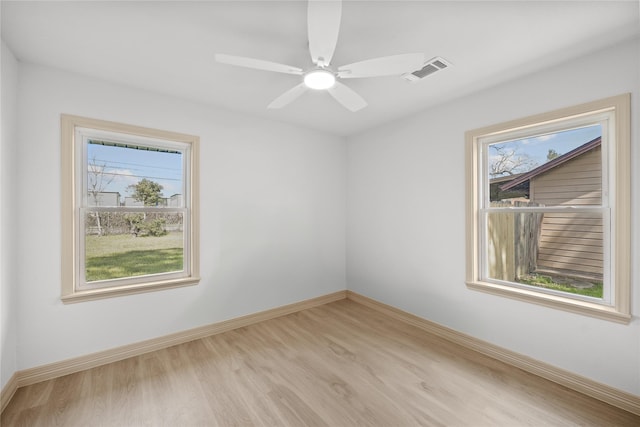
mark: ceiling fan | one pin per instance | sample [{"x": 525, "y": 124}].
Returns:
[{"x": 323, "y": 25}]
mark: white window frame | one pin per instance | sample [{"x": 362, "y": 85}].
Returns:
[
  {"x": 614, "y": 114},
  {"x": 75, "y": 133}
]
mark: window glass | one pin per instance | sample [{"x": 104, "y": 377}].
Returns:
[
  {"x": 564, "y": 168},
  {"x": 555, "y": 251},
  {"x": 123, "y": 242},
  {"x": 132, "y": 244},
  {"x": 115, "y": 170}
]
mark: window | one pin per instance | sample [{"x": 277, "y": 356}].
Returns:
[
  {"x": 548, "y": 215},
  {"x": 129, "y": 209}
]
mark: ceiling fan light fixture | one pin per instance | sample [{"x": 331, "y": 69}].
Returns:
[
  {"x": 323, "y": 26},
  {"x": 319, "y": 79}
]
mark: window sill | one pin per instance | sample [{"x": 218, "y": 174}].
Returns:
[
  {"x": 567, "y": 304},
  {"x": 95, "y": 294}
]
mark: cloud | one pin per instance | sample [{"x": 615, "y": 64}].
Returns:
[
  {"x": 546, "y": 137},
  {"x": 539, "y": 139}
]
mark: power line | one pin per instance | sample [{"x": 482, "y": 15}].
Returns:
[
  {"x": 104, "y": 168},
  {"x": 135, "y": 164},
  {"x": 136, "y": 176}
]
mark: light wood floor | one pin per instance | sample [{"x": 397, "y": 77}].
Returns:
[{"x": 340, "y": 364}]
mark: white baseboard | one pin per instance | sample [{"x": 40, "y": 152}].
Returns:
[
  {"x": 603, "y": 392},
  {"x": 621, "y": 399},
  {"x": 8, "y": 391},
  {"x": 77, "y": 364}
]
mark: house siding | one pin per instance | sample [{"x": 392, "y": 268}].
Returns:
[
  {"x": 571, "y": 242},
  {"x": 103, "y": 199}
]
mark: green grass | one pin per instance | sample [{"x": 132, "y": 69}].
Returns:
[
  {"x": 117, "y": 256},
  {"x": 557, "y": 284}
]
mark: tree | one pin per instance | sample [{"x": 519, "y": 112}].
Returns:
[
  {"x": 97, "y": 183},
  {"x": 149, "y": 193},
  {"x": 146, "y": 191},
  {"x": 508, "y": 161},
  {"x": 552, "y": 154}
]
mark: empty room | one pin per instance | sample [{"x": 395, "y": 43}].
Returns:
[{"x": 322, "y": 213}]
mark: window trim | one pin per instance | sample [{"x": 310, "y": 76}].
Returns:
[
  {"x": 619, "y": 180},
  {"x": 71, "y": 291}
]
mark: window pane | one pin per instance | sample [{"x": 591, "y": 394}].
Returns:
[
  {"x": 129, "y": 175},
  {"x": 556, "y": 169},
  {"x": 128, "y": 244},
  {"x": 559, "y": 251}
]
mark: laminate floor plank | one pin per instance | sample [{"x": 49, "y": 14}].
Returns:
[{"x": 340, "y": 364}]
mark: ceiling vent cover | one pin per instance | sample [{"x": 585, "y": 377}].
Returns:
[{"x": 431, "y": 66}]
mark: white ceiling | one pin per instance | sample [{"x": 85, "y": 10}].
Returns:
[{"x": 168, "y": 47}]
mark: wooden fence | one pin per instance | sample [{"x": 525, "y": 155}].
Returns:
[{"x": 512, "y": 241}]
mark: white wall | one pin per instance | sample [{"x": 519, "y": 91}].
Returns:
[
  {"x": 406, "y": 221},
  {"x": 272, "y": 218},
  {"x": 8, "y": 292}
]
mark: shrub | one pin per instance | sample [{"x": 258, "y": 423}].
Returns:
[{"x": 154, "y": 227}]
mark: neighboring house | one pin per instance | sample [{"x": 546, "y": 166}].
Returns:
[
  {"x": 104, "y": 198},
  {"x": 574, "y": 178},
  {"x": 175, "y": 201},
  {"x": 130, "y": 201},
  {"x": 516, "y": 192}
]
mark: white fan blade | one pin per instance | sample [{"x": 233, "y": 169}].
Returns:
[
  {"x": 257, "y": 64},
  {"x": 347, "y": 97},
  {"x": 323, "y": 25},
  {"x": 288, "y": 97},
  {"x": 384, "y": 66}
]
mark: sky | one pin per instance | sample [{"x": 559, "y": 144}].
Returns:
[
  {"x": 537, "y": 148},
  {"x": 126, "y": 166}
]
